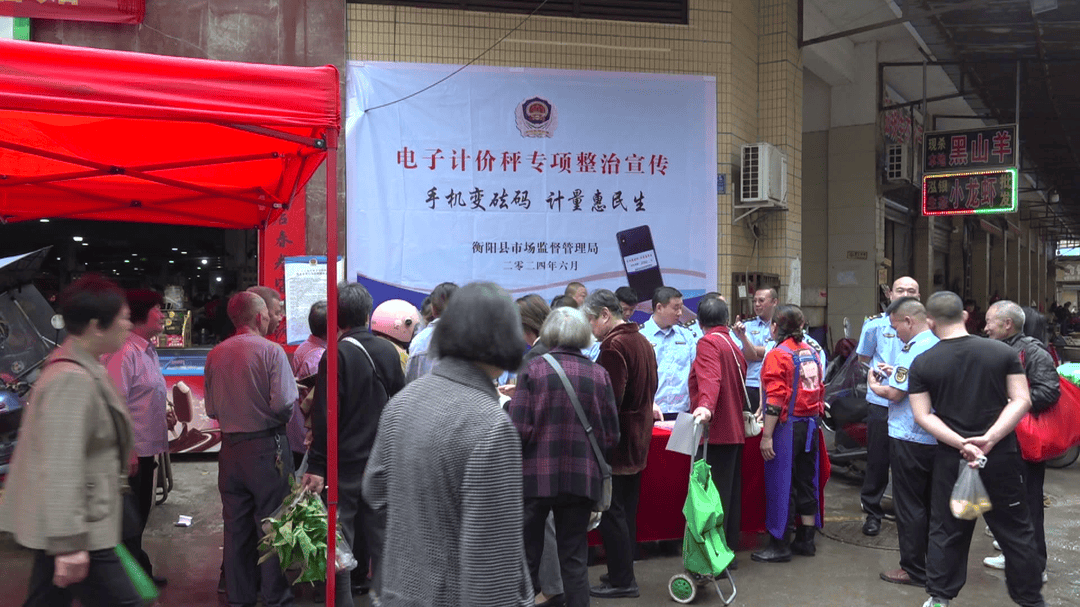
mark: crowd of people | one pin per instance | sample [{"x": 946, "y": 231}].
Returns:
[
  {"x": 480, "y": 435},
  {"x": 941, "y": 398}
]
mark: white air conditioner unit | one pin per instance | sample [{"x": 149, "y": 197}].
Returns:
[
  {"x": 898, "y": 163},
  {"x": 764, "y": 176}
]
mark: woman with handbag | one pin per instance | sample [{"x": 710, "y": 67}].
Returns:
[
  {"x": 718, "y": 397},
  {"x": 563, "y": 471}
]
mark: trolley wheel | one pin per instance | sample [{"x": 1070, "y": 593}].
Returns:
[{"x": 682, "y": 588}]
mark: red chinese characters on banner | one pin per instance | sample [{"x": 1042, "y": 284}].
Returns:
[
  {"x": 507, "y": 161},
  {"x": 105, "y": 11},
  {"x": 285, "y": 237}
]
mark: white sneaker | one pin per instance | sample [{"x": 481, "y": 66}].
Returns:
[
  {"x": 995, "y": 562},
  {"x": 997, "y": 546},
  {"x": 932, "y": 602}
]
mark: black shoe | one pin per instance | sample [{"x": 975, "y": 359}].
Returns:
[
  {"x": 804, "y": 541},
  {"x": 607, "y": 591},
  {"x": 872, "y": 526},
  {"x": 777, "y": 552},
  {"x": 159, "y": 581}
]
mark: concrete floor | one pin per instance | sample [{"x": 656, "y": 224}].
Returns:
[{"x": 842, "y": 573}]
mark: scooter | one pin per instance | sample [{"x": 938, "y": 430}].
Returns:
[{"x": 844, "y": 422}]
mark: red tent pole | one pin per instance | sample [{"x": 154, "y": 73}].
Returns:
[{"x": 331, "y": 361}]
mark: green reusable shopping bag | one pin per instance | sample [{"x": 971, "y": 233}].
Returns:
[
  {"x": 142, "y": 582},
  {"x": 705, "y": 551}
]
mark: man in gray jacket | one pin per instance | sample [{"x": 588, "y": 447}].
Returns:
[{"x": 1004, "y": 322}]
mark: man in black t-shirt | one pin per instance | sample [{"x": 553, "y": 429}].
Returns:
[{"x": 970, "y": 392}]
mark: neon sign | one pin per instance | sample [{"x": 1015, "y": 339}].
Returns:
[{"x": 970, "y": 192}]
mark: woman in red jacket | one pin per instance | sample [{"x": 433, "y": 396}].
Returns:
[
  {"x": 791, "y": 378},
  {"x": 717, "y": 396}
]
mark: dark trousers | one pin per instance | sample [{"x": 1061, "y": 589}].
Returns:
[
  {"x": 725, "y": 462},
  {"x": 754, "y": 394},
  {"x": 804, "y": 491},
  {"x": 106, "y": 584},
  {"x": 877, "y": 461},
  {"x": 1009, "y": 520},
  {"x": 571, "y": 513},
  {"x": 253, "y": 480},
  {"x": 142, "y": 490},
  {"x": 1034, "y": 477},
  {"x": 363, "y": 529},
  {"x": 618, "y": 529},
  {"x": 912, "y": 475}
]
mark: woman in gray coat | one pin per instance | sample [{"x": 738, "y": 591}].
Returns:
[
  {"x": 62, "y": 498},
  {"x": 446, "y": 467}
]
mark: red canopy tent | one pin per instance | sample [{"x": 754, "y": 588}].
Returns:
[{"x": 118, "y": 136}]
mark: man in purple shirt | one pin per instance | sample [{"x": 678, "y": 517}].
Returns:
[
  {"x": 137, "y": 374},
  {"x": 250, "y": 391},
  {"x": 306, "y": 358},
  {"x": 305, "y": 362}
]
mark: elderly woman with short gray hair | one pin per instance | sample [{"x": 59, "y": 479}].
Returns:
[
  {"x": 446, "y": 467},
  {"x": 561, "y": 473}
]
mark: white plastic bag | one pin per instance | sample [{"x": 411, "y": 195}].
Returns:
[{"x": 969, "y": 498}]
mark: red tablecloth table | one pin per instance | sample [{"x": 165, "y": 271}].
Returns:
[{"x": 664, "y": 486}]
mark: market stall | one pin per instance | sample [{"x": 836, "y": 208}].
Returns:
[{"x": 117, "y": 136}]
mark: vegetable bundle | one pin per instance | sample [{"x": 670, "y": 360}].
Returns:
[{"x": 296, "y": 533}]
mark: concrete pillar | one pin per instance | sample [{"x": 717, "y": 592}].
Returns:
[
  {"x": 923, "y": 248},
  {"x": 999, "y": 265},
  {"x": 980, "y": 268},
  {"x": 1012, "y": 271},
  {"x": 856, "y": 229},
  {"x": 956, "y": 257}
]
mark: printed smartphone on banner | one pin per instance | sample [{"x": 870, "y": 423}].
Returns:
[{"x": 639, "y": 260}]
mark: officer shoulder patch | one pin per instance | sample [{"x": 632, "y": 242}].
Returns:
[
  {"x": 874, "y": 317},
  {"x": 901, "y": 374}
]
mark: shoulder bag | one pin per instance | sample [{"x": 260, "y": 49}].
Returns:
[{"x": 605, "y": 470}]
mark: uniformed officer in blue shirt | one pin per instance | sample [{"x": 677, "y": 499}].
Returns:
[
  {"x": 754, "y": 338},
  {"x": 879, "y": 347},
  {"x": 911, "y": 448},
  {"x": 675, "y": 347}
]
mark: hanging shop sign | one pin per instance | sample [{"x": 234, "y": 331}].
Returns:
[
  {"x": 969, "y": 192},
  {"x": 970, "y": 150},
  {"x": 105, "y": 11}
]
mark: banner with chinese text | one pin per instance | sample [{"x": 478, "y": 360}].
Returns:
[{"x": 530, "y": 178}]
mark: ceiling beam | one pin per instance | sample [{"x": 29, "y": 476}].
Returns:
[{"x": 888, "y": 23}]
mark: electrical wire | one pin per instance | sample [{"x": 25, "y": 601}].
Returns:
[{"x": 472, "y": 61}]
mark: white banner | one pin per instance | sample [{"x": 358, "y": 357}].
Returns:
[{"x": 530, "y": 178}]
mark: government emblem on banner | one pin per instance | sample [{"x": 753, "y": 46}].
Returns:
[{"x": 536, "y": 117}]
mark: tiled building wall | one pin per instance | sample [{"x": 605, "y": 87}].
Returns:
[{"x": 727, "y": 39}]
